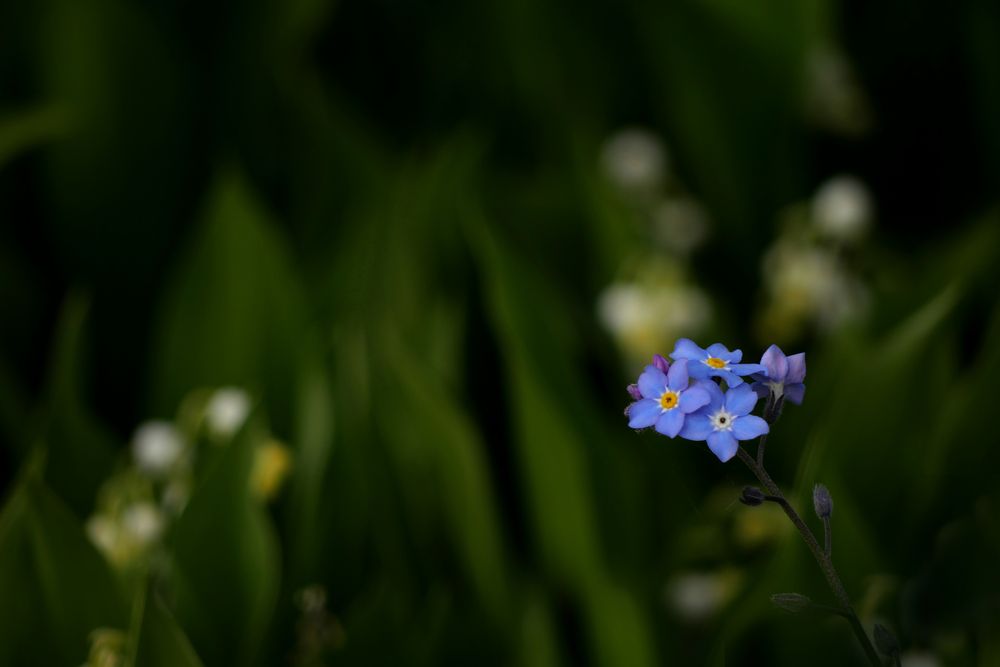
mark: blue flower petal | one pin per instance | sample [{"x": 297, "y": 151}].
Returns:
[
  {"x": 677, "y": 378},
  {"x": 716, "y": 397},
  {"x": 796, "y": 368},
  {"x": 775, "y": 363},
  {"x": 761, "y": 389},
  {"x": 723, "y": 445},
  {"x": 644, "y": 413},
  {"x": 718, "y": 350},
  {"x": 746, "y": 369},
  {"x": 795, "y": 393},
  {"x": 670, "y": 423},
  {"x": 696, "y": 427},
  {"x": 732, "y": 379},
  {"x": 740, "y": 400},
  {"x": 685, "y": 348},
  {"x": 694, "y": 398},
  {"x": 699, "y": 371},
  {"x": 652, "y": 382},
  {"x": 749, "y": 427}
]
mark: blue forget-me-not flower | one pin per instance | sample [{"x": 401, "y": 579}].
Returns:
[
  {"x": 666, "y": 398},
  {"x": 716, "y": 361},
  {"x": 725, "y": 419}
]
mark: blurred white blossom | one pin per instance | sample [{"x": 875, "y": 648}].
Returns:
[
  {"x": 697, "y": 596},
  {"x": 103, "y": 533},
  {"x": 679, "y": 224},
  {"x": 226, "y": 411},
  {"x": 127, "y": 535},
  {"x": 157, "y": 447},
  {"x": 644, "y": 317},
  {"x": 806, "y": 282},
  {"x": 842, "y": 208},
  {"x": 142, "y": 523},
  {"x": 635, "y": 160}
]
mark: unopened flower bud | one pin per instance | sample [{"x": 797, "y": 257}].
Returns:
[
  {"x": 792, "y": 602},
  {"x": 885, "y": 641},
  {"x": 633, "y": 391},
  {"x": 752, "y": 496},
  {"x": 661, "y": 362},
  {"x": 822, "y": 501}
]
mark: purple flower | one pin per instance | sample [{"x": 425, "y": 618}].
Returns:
[
  {"x": 725, "y": 420},
  {"x": 782, "y": 375},
  {"x": 716, "y": 361},
  {"x": 666, "y": 400}
]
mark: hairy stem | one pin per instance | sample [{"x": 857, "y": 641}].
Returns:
[
  {"x": 828, "y": 538},
  {"x": 822, "y": 558},
  {"x": 760, "y": 450}
]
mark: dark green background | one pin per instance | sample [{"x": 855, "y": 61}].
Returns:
[{"x": 386, "y": 219}]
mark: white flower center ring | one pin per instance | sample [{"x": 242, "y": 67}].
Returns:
[{"x": 722, "y": 421}]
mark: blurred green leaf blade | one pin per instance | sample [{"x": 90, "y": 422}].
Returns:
[{"x": 227, "y": 573}]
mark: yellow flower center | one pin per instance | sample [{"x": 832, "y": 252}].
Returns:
[
  {"x": 668, "y": 400},
  {"x": 715, "y": 362}
]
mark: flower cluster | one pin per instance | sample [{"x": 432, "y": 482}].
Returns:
[
  {"x": 810, "y": 273},
  {"x": 138, "y": 503},
  {"x": 653, "y": 298},
  {"x": 684, "y": 397}
]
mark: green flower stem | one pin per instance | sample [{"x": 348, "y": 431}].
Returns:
[
  {"x": 760, "y": 450},
  {"x": 822, "y": 558}
]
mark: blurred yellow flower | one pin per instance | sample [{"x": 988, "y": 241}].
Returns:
[
  {"x": 754, "y": 529},
  {"x": 271, "y": 466}
]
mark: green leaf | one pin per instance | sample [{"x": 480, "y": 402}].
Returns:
[
  {"x": 616, "y": 622},
  {"x": 720, "y": 56},
  {"x": 313, "y": 441},
  {"x": 23, "y": 130},
  {"x": 156, "y": 639},
  {"x": 553, "y": 459},
  {"x": 80, "y": 451},
  {"x": 539, "y": 646},
  {"x": 225, "y": 581},
  {"x": 21, "y": 613},
  {"x": 234, "y": 312},
  {"x": 432, "y": 427},
  {"x": 56, "y": 588},
  {"x": 79, "y": 590},
  {"x": 868, "y": 416}
]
